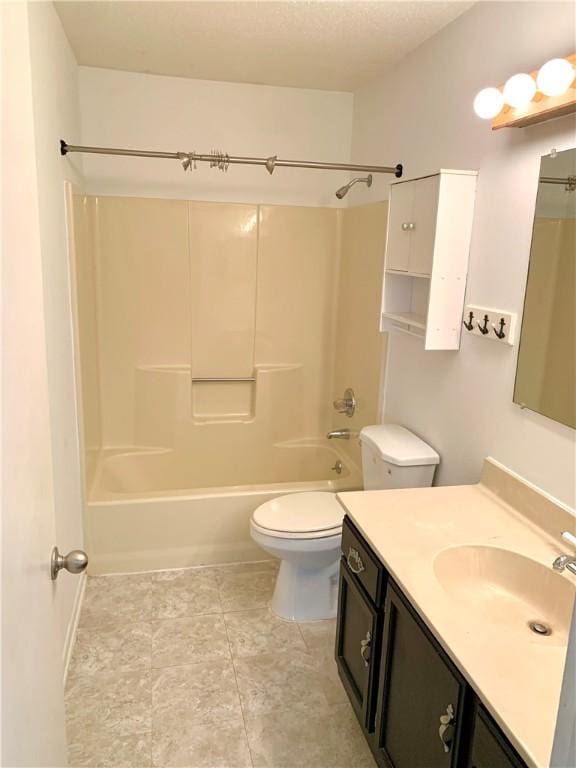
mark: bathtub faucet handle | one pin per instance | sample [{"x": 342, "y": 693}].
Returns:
[{"x": 346, "y": 404}]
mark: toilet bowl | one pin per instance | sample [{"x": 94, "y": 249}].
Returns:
[{"x": 304, "y": 530}]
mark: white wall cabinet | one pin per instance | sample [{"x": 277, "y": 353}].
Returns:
[{"x": 427, "y": 248}]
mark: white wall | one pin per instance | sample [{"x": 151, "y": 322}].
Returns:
[
  {"x": 130, "y": 110},
  {"x": 56, "y": 113},
  {"x": 421, "y": 114}
]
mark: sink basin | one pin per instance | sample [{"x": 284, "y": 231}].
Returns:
[{"x": 508, "y": 591}]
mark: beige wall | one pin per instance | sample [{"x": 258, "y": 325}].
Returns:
[
  {"x": 169, "y": 292},
  {"x": 144, "y": 299},
  {"x": 82, "y": 218},
  {"x": 298, "y": 267},
  {"x": 360, "y": 347}
]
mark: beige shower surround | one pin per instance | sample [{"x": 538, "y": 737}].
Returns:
[{"x": 280, "y": 302}]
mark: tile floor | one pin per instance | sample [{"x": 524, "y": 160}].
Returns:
[{"x": 190, "y": 668}]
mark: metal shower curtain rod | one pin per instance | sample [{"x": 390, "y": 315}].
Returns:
[
  {"x": 221, "y": 160},
  {"x": 569, "y": 182}
]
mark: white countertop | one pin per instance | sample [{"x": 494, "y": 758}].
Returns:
[{"x": 518, "y": 679}]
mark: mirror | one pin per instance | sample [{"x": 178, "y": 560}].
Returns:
[{"x": 545, "y": 376}]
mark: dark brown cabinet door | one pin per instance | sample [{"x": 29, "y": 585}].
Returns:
[
  {"x": 358, "y": 636},
  {"x": 420, "y": 695},
  {"x": 490, "y": 748}
]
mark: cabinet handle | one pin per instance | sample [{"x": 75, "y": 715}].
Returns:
[
  {"x": 355, "y": 561},
  {"x": 408, "y": 226},
  {"x": 446, "y": 729},
  {"x": 365, "y": 648}
]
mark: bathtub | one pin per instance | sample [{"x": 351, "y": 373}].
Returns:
[{"x": 151, "y": 509}]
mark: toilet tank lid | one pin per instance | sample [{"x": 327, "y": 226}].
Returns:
[{"x": 398, "y": 445}]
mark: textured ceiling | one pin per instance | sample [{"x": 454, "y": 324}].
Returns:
[{"x": 328, "y": 45}]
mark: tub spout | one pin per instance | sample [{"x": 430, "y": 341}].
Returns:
[{"x": 339, "y": 434}]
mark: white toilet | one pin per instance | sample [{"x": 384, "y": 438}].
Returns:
[{"x": 304, "y": 530}]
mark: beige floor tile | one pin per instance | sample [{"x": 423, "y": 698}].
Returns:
[
  {"x": 190, "y": 640},
  {"x": 106, "y": 750},
  {"x": 320, "y": 638},
  {"x": 306, "y": 739},
  {"x": 277, "y": 681},
  {"x": 112, "y": 646},
  {"x": 197, "y": 693},
  {"x": 319, "y": 635},
  {"x": 243, "y": 591},
  {"x": 185, "y": 593},
  {"x": 259, "y": 566},
  {"x": 118, "y": 702},
  {"x": 111, "y": 599},
  {"x": 260, "y": 631},
  {"x": 330, "y": 679},
  {"x": 202, "y": 746}
]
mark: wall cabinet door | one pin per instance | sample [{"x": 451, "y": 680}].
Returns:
[
  {"x": 421, "y": 696},
  {"x": 424, "y": 220},
  {"x": 398, "y": 238},
  {"x": 358, "y": 635},
  {"x": 489, "y": 748}
]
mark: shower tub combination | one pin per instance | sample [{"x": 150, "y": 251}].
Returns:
[
  {"x": 206, "y": 342},
  {"x": 155, "y": 509}
]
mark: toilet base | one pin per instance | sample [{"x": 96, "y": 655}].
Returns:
[{"x": 306, "y": 594}]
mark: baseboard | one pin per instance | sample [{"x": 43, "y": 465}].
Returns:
[
  {"x": 174, "y": 557},
  {"x": 73, "y": 626}
]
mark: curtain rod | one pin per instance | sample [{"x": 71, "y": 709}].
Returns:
[
  {"x": 221, "y": 160},
  {"x": 569, "y": 182}
]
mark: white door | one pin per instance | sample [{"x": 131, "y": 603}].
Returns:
[
  {"x": 32, "y": 696},
  {"x": 399, "y": 221},
  {"x": 425, "y": 213}
]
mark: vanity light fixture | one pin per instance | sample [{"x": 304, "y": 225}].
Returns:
[
  {"x": 519, "y": 90},
  {"x": 555, "y": 77},
  {"x": 528, "y": 98}
]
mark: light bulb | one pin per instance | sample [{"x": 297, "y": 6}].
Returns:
[
  {"x": 519, "y": 90},
  {"x": 555, "y": 77},
  {"x": 488, "y": 103}
]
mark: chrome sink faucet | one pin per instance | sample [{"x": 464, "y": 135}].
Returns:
[{"x": 566, "y": 561}]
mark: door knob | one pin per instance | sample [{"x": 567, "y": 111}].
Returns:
[{"x": 74, "y": 562}]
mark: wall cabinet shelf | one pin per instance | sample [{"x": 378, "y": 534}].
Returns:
[
  {"x": 427, "y": 248},
  {"x": 415, "y": 707}
]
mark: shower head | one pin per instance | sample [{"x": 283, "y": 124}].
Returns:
[{"x": 344, "y": 190}]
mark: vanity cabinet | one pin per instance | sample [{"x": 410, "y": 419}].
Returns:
[
  {"x": 415, "y": 707},
  {"x": 421, "y": 695},
  {"x": 427, "y": 248},
  {"x": 489, "y": 747},
  {"x": 357, "y": 647},
  {"x": 359, "y": 626}
]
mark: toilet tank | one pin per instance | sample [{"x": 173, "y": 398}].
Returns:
[{"x": 394, "y": 457}]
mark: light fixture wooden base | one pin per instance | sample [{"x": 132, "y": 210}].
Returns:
[{"x": 541, "y": 108}]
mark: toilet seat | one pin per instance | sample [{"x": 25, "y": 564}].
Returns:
[{"x": 311, "y": 515}]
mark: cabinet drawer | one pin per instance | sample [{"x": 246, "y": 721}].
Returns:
[{"x": 359, "y": 559}]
